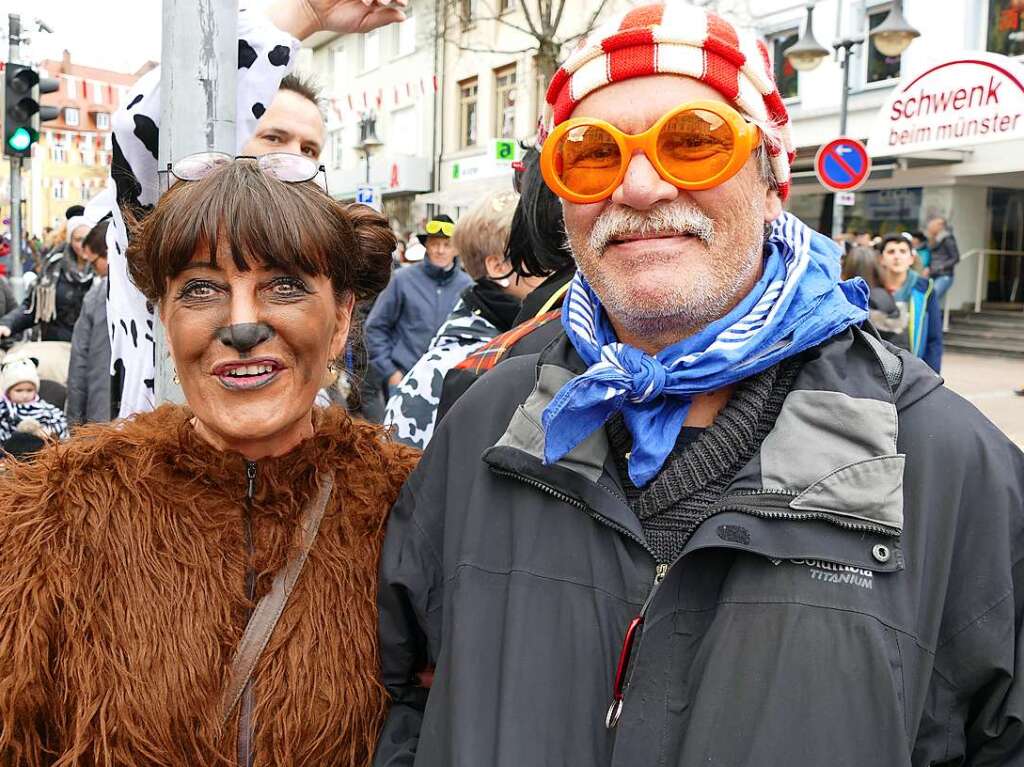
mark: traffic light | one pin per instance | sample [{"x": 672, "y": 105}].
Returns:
[{"x": 23, "y": 113}]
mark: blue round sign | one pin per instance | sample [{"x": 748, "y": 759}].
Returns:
[{"x": 842, "y": 165}]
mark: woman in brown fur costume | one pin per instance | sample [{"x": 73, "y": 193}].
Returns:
[{"x": 132, "y": 557}]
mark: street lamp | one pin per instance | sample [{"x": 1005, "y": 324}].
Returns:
[
  {"x": 806, "y": 53},
  {"x": 894, "y": 34},
  {"x": 368, "y": 140},
  {"x": 891, "y": 38}
]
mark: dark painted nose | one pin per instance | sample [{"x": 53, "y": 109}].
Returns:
[{"x": 246, "y": 336}]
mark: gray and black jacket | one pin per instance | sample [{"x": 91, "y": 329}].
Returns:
[{"x": 854, "y": 598}]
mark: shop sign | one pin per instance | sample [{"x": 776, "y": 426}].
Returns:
[{"x": 970, "y": 99}]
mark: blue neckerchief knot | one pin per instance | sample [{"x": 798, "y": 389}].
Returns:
[{"x": 798, "y": 303}]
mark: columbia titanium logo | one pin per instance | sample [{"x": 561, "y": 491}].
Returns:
[{"x": 830, "y": 572}]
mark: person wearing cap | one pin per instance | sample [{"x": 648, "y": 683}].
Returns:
[
  {"x": 415, "y": 303},
  {"x": 21, "y": 409},
  {"x": 55, "y": 299},
  {"x": 718, "y": 520}
]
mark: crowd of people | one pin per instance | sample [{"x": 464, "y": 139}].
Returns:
[
  {"x": 655, "y": 457},
  {"x": 909, "y": 274}
]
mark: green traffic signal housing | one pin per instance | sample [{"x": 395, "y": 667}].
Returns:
[{"x": 23, "y": 113}]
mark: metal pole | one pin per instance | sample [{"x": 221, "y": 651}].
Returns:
[
  {"x": 844, "y": 47},
  {"x": 197, "y": 106},
  {"x": 14, "y": 57}
]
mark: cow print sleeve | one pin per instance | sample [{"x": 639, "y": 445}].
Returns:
[{"x": 265, "y": 56}]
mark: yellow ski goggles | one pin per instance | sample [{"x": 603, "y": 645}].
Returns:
[{"x": 444, "y": 228}]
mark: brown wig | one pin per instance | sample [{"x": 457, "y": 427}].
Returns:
[{"x": 297, "y": 228}]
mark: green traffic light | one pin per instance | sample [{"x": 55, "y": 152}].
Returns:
[{"x": 20, "y": 140}]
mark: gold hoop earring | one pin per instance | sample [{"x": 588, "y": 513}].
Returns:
[{"x": 177, "y": 381}]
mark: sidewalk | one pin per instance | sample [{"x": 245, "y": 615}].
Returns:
[{"x": 988, "y": 383}]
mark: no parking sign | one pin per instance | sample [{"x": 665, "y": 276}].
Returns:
[{"x": 842, "y": 165}]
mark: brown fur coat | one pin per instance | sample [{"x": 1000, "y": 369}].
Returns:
[{"x": 122, "y": 597}]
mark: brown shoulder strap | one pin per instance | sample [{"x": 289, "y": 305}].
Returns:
[{"x": 268, "y": 610}]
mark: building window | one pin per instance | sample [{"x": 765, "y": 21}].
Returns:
[
  {"x": 405, "y": 125},
  {"x": 785, "y": 72},
  {"x": 467, "y": 113},
  {"x": 71, "y": 118},
  {"x": 336, "y": 62},
  {"x": 505, "y": 100},
  {"x": 103, "y": 120},
  {"x": 97, "y": 91},
  {"x": 59, "y": 148},
  {"x": 59, "y": 191},
  {"x": 337, "y": 149},
  {"x": 71, "y": 87},
  {"x": 880, "y": 67},
  {"x": 506, "y": 6},
  {"x": 1005, "y": 29},
  {"x": 371, "y": 50},
  {"x": 467, "y": 12},
  {"x": 407, "y": 36}
]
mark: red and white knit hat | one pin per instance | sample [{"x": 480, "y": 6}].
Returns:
[{"x": 681, "y": 39}]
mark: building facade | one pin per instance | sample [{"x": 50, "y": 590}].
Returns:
[
  {"x": 493, "y": 88},
  {"x": 978, "y": 185},
  {"x": 380, "y": 98},
  {"x": 71, "y": 162}
]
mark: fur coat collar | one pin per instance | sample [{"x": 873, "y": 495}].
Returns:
[{"x": 122, "y": 597}]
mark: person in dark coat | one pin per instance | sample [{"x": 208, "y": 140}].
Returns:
[
  {"x": 55, "y": 300},
  {"x": 415, "y": 303},
  {"x": 88, "y": 398},
  {"x": 717, "y": 521}
]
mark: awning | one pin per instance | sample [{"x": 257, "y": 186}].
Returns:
[{"x": 465, "y": 194}]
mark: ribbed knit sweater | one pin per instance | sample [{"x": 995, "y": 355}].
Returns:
[{"x": 697, "y": 471}]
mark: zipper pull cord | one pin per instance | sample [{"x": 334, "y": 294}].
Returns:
[
  {"x": 633, "y": 631},
  {"x": 250, "y": 474}
]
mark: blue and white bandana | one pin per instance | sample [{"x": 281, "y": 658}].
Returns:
[{"x": 798, "y": 303}]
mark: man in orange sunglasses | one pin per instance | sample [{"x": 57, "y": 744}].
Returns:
[{"x": 718, "y": 521}]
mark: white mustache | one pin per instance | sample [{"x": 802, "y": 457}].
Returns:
[{"x": 678, "y": 218}]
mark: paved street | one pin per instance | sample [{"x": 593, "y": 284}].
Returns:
[{"x": 988, "y": 382}]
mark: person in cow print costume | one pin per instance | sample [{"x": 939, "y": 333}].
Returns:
[{"x": 276, "y": 113}]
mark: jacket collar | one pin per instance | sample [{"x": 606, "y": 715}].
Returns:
[
  {"x": 832, "y": 453},
  {"x": 439, "y": 275}
]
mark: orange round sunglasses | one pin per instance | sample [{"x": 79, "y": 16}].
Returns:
[{"x": 698, "y": 145}]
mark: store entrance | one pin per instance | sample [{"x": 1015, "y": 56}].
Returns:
[{"x": 1006, "y": 233}]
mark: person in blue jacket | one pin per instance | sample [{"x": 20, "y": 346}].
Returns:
[
  {"x": 904, "y": 305},
  {"x": 415, "y": 303}
]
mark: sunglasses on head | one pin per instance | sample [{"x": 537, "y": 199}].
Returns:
[
  {"x": 441, "y": 227},
  {"x": 695, "y": 146},
  {"x": 284, "y": 166}
]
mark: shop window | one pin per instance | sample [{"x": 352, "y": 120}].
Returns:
[
  {"x": 1005, "y": 27},
  {"x": 880, "y": 67},
  {"x": 505, "y": 100},
  {"x": 467, "y": 113},
  {"x": 71, "y": 117},
  {"x": 785, "y": 72}
]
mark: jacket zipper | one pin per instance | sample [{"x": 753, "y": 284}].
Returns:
[
  {"x": 624, "y": 669},
  {"x": 245, "y": 730}
]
